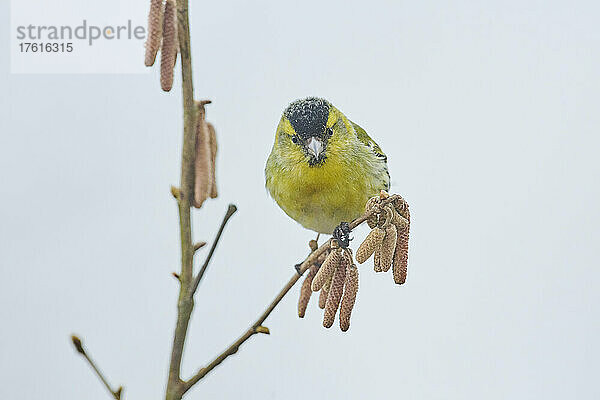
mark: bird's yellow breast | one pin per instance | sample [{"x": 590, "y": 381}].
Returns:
[{"x": 320, "y": 197}]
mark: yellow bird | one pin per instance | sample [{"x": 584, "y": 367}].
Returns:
[{"x": 323, "y": 167}]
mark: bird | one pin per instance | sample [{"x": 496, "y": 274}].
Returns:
[{"x": 323, "y": 167}]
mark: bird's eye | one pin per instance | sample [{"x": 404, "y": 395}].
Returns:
[
  {"x": 295, "y": 139},
  {"x": 329, "y": 131}
]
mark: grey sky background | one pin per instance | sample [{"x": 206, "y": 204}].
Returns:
[{"x": 488, "y": 112}]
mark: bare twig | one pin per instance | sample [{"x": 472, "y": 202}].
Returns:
[
  {"x": 79, "y": 347},
  {"x": 230, "y": 211},
  {"x": 199, "y": 245}
]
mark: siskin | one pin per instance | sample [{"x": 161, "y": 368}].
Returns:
[{"x": 323, "y": 167}]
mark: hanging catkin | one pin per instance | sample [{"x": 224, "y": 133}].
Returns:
[
  {"x": 335, "y": 293},
  {"x": 155, "y": 21},
  {"x": 202, "y": 164},
  {"x": 323, "y": 297},
  {"x": 305, "y": 291},
  {"x": 168, "y": 53},
  {"x": 401, "y": 254},
  {"x": 377, "y": 254},
  {"x": 327, "y": 269},
  {"x": 388, "y": 246},
  {"x": 213, "y": 157},
  {"x": 349, "y": 297},
  {"x": 368, "y": 246}
]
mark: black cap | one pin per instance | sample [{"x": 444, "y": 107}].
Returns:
[{"x": 308, "y": 116}]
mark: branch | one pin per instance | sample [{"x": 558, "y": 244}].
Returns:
[
  {"x": 257, "y": 327},
  {"x": 230, "y": 211},
  {"x": 79, "y": 347},
  {"x": 185, "y": 303}
]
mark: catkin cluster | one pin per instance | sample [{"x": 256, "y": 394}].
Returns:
[
  {"x": 162, "y": 35},
  {"x": 336, "y": 278},
  {"x": 205, "y": 185},
  {"x": 334, "y": 274},
  {"x": 388, "y": 239}
]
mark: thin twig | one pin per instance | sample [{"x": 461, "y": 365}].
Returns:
[
  {"x": 230, "y": 211},
  {"x": 199, "y": 245},
  {"x": 257, "y": 326},
  {"x": 79, "y": 347}
]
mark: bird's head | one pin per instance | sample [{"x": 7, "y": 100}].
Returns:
[{"x": 307, "y": 129}]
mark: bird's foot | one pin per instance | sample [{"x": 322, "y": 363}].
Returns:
[{"x": 341, "y": 233}]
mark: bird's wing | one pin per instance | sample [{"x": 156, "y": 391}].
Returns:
[{"x": 370, "y": 143}]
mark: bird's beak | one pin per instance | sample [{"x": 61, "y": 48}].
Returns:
[{"x": 314, "y": 147}]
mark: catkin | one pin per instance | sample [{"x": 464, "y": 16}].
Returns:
[
  {"x": 323, "y": 297},
  {"x": 203, "y": 160},
  {"x": 322, "y": 257},
  {"x": 169, "y": 46},
  {"x": 327, "y": 269},
  {"x": 372, "y": 221},
  {"x": 388, "y": 246},
  {"x": 213, "y": 156},
  {"x": 399, "y": 221},
  {"x": 305, "y": 291},
  {"x": 402, "y": 207},
  {"x": 377, "y": 260},
  {"x": 372, "y": 203},
  {"x": 401, "y": 257},
  {"x": 155, "y": 19},
  {"x": 349, "y": 297},
  {"x": 368, "y": 246},
  {"x": 377, "y": 255},
  {"x": 335, "y": 294}
]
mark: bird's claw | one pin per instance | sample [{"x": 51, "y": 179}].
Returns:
[
  {"x": 297, "y": 268},
  {"x": 341, "y": 233}
]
